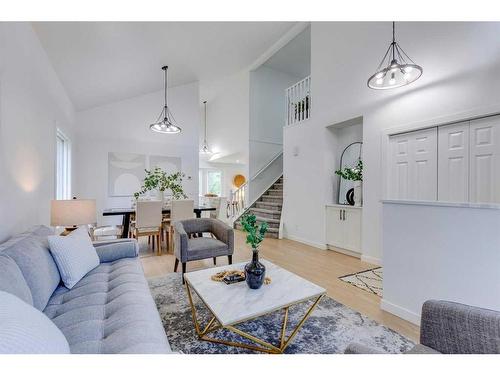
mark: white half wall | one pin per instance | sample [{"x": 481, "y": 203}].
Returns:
[
  {"x": 339, "y": 69},
  {"x": 439, "y": 252},
  {"x": 33, "y": 103},
  {"x": 124, "y": 127}
]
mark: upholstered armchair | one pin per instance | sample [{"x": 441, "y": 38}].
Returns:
[
  {"x": 451, "y": 328},
  {"x": 190, "y": 245}
]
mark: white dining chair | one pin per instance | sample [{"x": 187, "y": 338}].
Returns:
[
  {"x": 180, "y": 209},
  {"x": 148, "y": 222}
]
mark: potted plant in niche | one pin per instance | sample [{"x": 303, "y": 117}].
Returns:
[
  {"x": 255, "y": 271},
  {"x": 354, "y": 174},
  {"x": 157, "y": 179}
]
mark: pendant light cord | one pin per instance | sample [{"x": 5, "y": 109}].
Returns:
[
  {"x": 165, "y": 107},
  {"x": 205, "y": 103},
  {"x": 393, "y": 40}
]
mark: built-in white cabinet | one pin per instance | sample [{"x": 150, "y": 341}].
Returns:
[
  {"x": 453, "y": 162},
  {"x": 343, "y": 228},
  {"x": 484, "y": 176},
  {"x": 413, "y": 165},
  {"x": 456, "y": 163}
]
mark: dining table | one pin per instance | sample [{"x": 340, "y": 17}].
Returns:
[{"x": 126, "y": 212}]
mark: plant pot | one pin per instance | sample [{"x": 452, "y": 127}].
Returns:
[
  {"x": 358, "y": 193},
  {"x": 255, "y": 272}
]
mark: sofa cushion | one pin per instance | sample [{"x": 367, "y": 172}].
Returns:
[
  {"x": 205, "y": 247},
  {"x": 30, "y": 251},
  {"x": 12, "y": 280},
  {"x": 109, "y": 311},
  {"x": 26, "y": 330},
  {"x": 74, "y": 254}
]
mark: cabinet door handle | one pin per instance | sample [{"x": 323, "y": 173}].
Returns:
[
  {"x": 340, "y": 214},
  {"x": 344, "y": 215}
]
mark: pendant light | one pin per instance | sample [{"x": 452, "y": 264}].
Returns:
[
  {"x": 167, "y": 123},
  {"x": 396, "y": 68},
  {"x": 205, "y": 150}
]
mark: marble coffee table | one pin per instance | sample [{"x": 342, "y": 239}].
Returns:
[{"x": 237, "y": 303}]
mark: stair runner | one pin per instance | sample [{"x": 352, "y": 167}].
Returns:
[{"x": 268, "y": 208}]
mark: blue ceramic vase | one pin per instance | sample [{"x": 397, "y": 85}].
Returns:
[{"x": 255, "y": 272}]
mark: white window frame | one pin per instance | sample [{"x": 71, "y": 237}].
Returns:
[
  {"x": 63, "y": 166},
  {"x": 203, "y": 176}
]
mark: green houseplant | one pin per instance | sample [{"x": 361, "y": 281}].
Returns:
[
  {"x": 158, "y": 179},
  {"x": 354, "y": 174},
  {"x": 255, "y": 271}
]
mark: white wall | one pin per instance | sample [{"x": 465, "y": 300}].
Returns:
[
  {"x": 439, "y": 252},
  {"x": 32, "y": 104},
  {"x": 124, "y": 127},
  {"x": 459, "y": 74},
  {"x": 267, "y": 114},
  {"x": 227, "y": 116}
]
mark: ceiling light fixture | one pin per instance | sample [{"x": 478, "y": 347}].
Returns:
[
  {"x": 396, "y": 68},
  {"x": 205, "y": 150},
  {"x": 167, "y": 124}
]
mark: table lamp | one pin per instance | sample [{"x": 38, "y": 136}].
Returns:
[{"x": 72, "y": 212}]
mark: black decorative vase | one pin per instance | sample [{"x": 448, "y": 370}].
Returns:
[{"x": 255, "y": 272}]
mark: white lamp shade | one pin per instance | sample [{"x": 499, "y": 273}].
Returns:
[{"x": 72, "y": 212}]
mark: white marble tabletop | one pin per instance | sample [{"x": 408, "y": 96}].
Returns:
[{"x": 237, "y": 302}]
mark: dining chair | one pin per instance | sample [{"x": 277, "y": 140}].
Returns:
[
  {"x": 181, "y": 209},
  {"x": 148, "y": 222}
]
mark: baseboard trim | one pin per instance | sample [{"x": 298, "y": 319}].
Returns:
[
  {"x": 372, "y": 260},
  {"x": 306, "y": 242},
  {"x": 400, "y": 311}
]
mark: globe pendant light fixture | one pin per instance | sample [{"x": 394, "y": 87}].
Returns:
[
  {"x": 165, "y": 122},
  {"x": 396, "y": 68},
  {"x": 205, "y": 150}
]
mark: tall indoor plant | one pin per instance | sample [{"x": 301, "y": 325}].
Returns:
[
  {"x": 354, "y": 174},
  {"x": 158, "y": 179},
  {"x": 255, "y": 271}
]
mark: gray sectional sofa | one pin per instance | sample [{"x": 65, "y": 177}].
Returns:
[{"x": 109, "y": 311}]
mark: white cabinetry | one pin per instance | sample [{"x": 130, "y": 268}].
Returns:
[
  {"x": 484, "y": 177},
  {"x": 343, "y": 228},
  {"x": 453, "y": 162},
  {"x": 413, "y": 165},
  {"x": 456, "y": 163}
]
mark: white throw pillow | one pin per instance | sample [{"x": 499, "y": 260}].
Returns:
[
  {"x": 74, "y": 255},
  {"x": 26, "y": 330}
]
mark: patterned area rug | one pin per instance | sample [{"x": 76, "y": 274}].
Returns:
[
  {"x": 329, "y": 329},
  {"x": 369, "y": 280}
]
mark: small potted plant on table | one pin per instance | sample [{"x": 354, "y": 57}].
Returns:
[{"x": 255, "y": 271}]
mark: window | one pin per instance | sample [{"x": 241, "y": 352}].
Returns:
[
  {"x": 63, "y": 166},
  {"x": 210, "y": 181}
]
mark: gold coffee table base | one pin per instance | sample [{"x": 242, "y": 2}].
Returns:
[{"x": 263, "y": 346}]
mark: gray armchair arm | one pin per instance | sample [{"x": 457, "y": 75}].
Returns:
[
  {"x": 224, "y": 233},
  {"x": 109, "y": 251},
  {"x": 454, "y": 328},
  {"x": 356, "y": 348},
  {"x": 180, "y": 241}
]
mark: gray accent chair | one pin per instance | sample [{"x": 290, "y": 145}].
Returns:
[
  {"x": 110, "y": 310},
  {"x": 451, "y": 328},
  {"x": 189, "y": 245}
]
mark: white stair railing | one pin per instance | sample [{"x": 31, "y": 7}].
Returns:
[
  {"x": 298, "y": 101},
  {"x": 236, "y": 204}
]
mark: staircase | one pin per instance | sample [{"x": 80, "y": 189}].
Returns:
[{"x": 268, "y": 208}]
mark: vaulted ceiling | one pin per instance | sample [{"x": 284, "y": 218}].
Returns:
[{"x": 103, "y": 62}]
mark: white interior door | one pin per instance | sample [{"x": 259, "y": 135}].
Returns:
[
  {"x": 413, "y": 165},
  {"x": 453, "y": 162},
  {"x": 484, "y": 181}
]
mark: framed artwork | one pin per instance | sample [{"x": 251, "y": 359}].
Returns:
[{"x": 125, "y": 173}]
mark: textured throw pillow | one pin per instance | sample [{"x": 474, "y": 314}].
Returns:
[
  {"x": 74, "y": 255},
  {"x": 26, "y": 330}
]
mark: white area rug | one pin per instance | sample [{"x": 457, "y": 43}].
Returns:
[{"x": 369, "y": 280}]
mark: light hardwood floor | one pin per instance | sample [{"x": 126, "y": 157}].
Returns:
[{"x": 322, "y": 267}]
